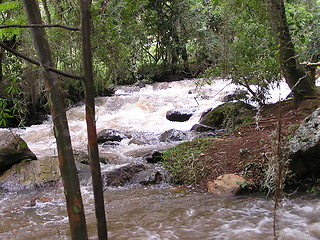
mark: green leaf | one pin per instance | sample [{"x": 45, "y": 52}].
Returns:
[
  {"x": 8, "y": 6},
  {"x": 76, "y": 209},
  {"x": 303, "y": 39}
]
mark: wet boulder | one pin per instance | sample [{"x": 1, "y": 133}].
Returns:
[
  {"x": 39, "y": 174},
  {"x": 173, "y": 135},
  {"x": 179, "y": 115},
  {"x": 304, "y": 147},
  {"x": 140, "y": 84},
  {"x": 110, "y": 135},
  {"x": 13, "y": 150},
  {"x": 31, "y": 175},
  {"x": 227, "y": 185},
  {"x": 202, "y": 128},
  {"x": 228, "y": 115},
  {"x": 83, "y": 158},
  {"x": 148, "y": 177},
  {"x": 122, "y": 175}
]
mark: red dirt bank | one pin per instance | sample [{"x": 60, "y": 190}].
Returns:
[{"x": 247, "y": 150}]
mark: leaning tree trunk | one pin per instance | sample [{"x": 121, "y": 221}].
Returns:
[
  {"x": 296, "y": 77},
  {"x": 90, "y": 118},
  {"x": 61, "y": 130}
]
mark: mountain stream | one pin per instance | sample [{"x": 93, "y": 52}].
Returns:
[{"x": 151, "y": 212}]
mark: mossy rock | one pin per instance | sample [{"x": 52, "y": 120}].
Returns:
[
  {"x": 228, "y": 115},
  {"x": 31, "y": 175}
]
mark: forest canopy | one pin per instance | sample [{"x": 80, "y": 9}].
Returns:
[{"x": 152, "y": 41}]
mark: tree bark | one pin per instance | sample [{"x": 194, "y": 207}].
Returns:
[
  {"x": 90, "y": 119},
  {"x": 61, "y": 130},
  {"x": 296, "y": 77}
]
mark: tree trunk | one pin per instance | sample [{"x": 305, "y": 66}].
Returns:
[
  {"x": 61, "y": 130},
  {"x": 90, "y": 118},
  {"x": 296, "y": 77},
  {"x": 2, "y": 54}
]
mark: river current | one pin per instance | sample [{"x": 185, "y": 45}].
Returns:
[{"x": 152, "y": 212}]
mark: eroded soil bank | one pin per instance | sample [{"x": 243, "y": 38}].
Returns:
[{"x": 248, "y": 150}]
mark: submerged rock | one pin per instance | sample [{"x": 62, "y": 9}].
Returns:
[
  {"x": 13, "y": 150},
  {"x": 227, "y": 185},
  {"x": 173, "y": 135},
  {"x": 149, "y": 176},
  {"x": 304, "y": 147},
  {"x": 121, "y": 176},
  {"x": 83, "y": 158}
]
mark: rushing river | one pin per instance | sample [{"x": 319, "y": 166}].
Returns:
[{"x": 153, "y": 212}]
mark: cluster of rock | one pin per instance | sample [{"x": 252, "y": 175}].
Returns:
[
  {"x": 20, "y": 169},
  {"x": 304, "y": 148}
]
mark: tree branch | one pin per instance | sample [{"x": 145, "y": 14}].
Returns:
[
  {"x": 35, "y": 62},
  {"x": 40, "y": 26}
]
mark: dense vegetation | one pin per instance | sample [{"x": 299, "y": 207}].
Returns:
[{"x": 153, "y": 41}]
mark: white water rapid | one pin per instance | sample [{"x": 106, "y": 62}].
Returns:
[{"x": 152, "y": 212}]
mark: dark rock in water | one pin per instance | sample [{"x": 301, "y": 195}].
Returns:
[
  {"x": 304, "y": 147},
  {"x": 13, "y": 150},
  {"x": 202, "y": 128},
  {"x": 140, "y": 84},
  {"x": 110, "y": 143},
  {"x": 179, "y": 115},
  {"x": 148, "y": 177},
  {"x": 121, "y": 176},
  {"x": 156, "y": 157},
  {"x": 228, "y": 115},
  {"x": 83, "y": 158},
  {"x": 110, "y": 135},
  {"x": 173, "y": 135}
]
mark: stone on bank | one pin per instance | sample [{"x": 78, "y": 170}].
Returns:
[{"x": 227, "y": 185}]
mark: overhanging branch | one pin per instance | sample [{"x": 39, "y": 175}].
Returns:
[
  {"x": 35, "y": 62},
  {"x": 40, "y": 26}
]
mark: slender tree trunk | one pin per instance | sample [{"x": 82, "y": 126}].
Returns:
[
  {"x": 46, "y": 10},
  {"x": 2, "y": 54},
  {"x": 90, "y": 118},
  {"x": 298, "y": 80},
  {"x": 61, "y": 130}
]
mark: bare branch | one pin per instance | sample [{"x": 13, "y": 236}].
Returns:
[
  {"x": 40, "y": 26},
  {"x": 35, "y": 62}
]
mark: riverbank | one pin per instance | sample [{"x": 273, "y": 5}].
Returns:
[{"x": 245, "y": 151}]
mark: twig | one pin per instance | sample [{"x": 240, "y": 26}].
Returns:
[
  {"x": 40, "y": 26},
  {"x": 35, "y": 62}
]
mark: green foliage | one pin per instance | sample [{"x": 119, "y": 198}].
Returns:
[
  {"x": 147, "y": 39},
  {"x": 5, "y": 113},
  {"x": 6, "y": 9},
  {"x": 304, "y": 24},
  {"x": 249, "y": 51},
  {"x": 184, "y": 164}
]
